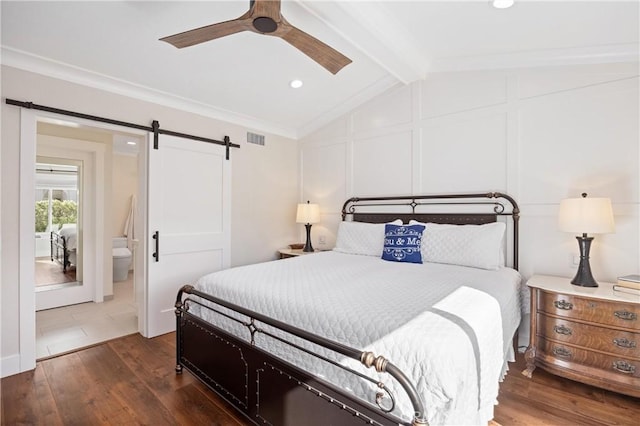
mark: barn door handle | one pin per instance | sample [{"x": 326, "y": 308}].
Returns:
[{"x": 156, "y": 255}]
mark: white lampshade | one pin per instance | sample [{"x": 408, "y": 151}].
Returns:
[
  {"x": 308, "y": 213},
  {"x": 586, "y": 215}
]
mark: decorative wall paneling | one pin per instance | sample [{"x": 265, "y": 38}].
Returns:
[{"x": 541, "y": 134}]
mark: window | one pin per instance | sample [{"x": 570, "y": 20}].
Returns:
[{"x": 56, "y": 196}]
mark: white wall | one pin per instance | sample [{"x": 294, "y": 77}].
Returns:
[
  {"x": 124, "y": 179},
  {"x": 264, "y": 186},
  {"x": 540, "y": 135}
]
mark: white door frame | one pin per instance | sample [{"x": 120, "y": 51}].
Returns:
[
  {"x": 28, "y": 131},
  {"x": 28, "y": 143},
  {"x": 140, "y": 254}
]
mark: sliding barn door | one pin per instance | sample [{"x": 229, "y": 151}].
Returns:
[{"x": 189, "y": 222}]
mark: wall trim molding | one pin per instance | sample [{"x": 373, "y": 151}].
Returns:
[{"x": 627, "y": 52}]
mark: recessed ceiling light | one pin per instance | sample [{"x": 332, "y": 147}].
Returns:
[
  {"x": 502, "y": 4},
  {"x": 131, "y": 143},
  {"x": 296, "y": 84}
]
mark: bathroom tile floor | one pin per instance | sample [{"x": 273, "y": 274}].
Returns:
[{"x": 70, "y": 328}]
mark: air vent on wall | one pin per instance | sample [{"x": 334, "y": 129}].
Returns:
[{"x": 255, "y": 138}]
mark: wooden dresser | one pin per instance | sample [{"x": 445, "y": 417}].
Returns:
[{"x": 587, "y": 334}]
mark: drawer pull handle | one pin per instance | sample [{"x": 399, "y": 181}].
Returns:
[
  {"x": 624, "y": 367},
  {"x": 626, "y": 315},
  {"x": 562, "y": 352},
  {"x": 624, "y": 343},
  {"x": 561, "y": 329},
  {"x": 563, "y": 304}
]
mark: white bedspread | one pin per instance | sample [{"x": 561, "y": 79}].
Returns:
[
  {"x": 409, "y": 313},
  {"x": 68, "y": 231},
  {"x": 444, "y": 370}
]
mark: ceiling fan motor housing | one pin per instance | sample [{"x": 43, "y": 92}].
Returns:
[{"x": 265, "y": 24}]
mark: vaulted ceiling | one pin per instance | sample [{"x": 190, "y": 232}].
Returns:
[{"x": 244, "y": 78}]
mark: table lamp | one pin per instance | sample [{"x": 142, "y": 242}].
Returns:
[
  {"x": 585, "y": 216},
  {"x": 308, "y": 213}
]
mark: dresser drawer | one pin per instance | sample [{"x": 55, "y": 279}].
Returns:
[
  {"x": 604, "y": 312},
  {"x": 609, "y": 364},
  {"x": 609, "y": 340}
]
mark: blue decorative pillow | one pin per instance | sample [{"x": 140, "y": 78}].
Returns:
[{"x": 402, "y": 243}]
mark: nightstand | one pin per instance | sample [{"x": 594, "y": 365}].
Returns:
[
  {"x": 288, "y": 252},
  {"x": 587, "y": 334}
]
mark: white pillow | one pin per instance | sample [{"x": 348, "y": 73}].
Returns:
[
  {"x": 361, "y": 238},
  {"x": 477, "y": 246}
]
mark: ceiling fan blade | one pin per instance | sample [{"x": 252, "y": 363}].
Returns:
[
  {"x": 323, "y": 54},
  {"x": 209, "y": 32},
  {"x": 266, "y": 8}
]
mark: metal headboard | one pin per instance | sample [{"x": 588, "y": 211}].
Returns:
[{"x": 470, "y": 209}]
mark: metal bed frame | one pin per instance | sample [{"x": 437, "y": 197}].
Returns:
[
  {"x": 59, "y": 246},
  {"x": 268, "y": 390}
]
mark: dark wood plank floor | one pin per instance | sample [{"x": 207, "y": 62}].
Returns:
[
  {"x": 131, "y": 380},
  {"x": 546, "y": 399}
]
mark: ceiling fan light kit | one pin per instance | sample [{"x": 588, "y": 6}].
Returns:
[{"x": 264, "y": 17}]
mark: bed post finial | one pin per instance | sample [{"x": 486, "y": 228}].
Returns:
[{"x": 368, "y": 359}]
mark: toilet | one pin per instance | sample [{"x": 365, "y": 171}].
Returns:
[{"x": 121, "y": 259}]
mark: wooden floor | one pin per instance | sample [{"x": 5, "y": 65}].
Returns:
[
  {"x": 546, "y": 399},
  {"x": 131, "y": 380},
  {"x": 49, "y": 272}
]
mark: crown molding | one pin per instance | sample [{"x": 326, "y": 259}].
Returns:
[
  {"x": 50, "y": 68},
  {"x": 369, "y": 27},
  {"x": 628, "y": 52}
]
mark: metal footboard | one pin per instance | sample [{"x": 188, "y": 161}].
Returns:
[
  {"x": 59, "y": 244},
  {"x": 255, "y": 366}
]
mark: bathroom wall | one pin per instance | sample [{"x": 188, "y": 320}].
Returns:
[{"x": 124, "y": 185}]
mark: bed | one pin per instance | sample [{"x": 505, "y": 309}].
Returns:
[
  {"x": 64, "y": 245},
  {"x": 349, "y": 337}
]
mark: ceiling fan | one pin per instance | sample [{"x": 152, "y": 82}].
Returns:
[{"x": 264, "y": 17}]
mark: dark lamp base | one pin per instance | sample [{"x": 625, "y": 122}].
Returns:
[
  {"x": 583, "y": 277},
  {"x": 308, "y": 247}
]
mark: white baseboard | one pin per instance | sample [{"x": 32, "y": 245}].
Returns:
[{"x": 10, "y": 365}]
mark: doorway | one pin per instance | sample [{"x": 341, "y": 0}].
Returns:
[
  {"x": 63, "y": 319},
  {"x": 191, "y": 188}
]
